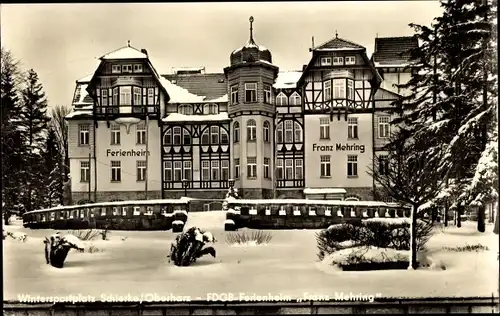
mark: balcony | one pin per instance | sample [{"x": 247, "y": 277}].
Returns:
[{"x": 139, "y": 111}]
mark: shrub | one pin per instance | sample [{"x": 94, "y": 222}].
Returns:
[
  {"x": 86, "y": 234},
  {"x": 93, "y": 249},
  {"x": 467, "y": 248},
  {"x": 259, "y": 237}
]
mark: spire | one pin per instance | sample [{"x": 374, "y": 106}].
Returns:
[
  {"x": 251, "y": 41},
  {"x": 128, "y": 43},
  {"x": 336, "y": 34}
]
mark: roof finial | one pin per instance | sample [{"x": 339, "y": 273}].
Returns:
[
  {"x": 128, "y": 43},
  {"x": 251, "y": 41},
  {"x": 336, "y": 34}
]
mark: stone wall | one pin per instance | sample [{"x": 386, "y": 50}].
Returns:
[{"x": 109, "y": 196}]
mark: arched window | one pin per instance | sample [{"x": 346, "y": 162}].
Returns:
[
  {"x": 281, "y": 99},
  {"x": 288, "y": 131},
  {"x": 352, "y": 198},
  {"x": 177, "y": 135},
  {"x": 214, "y": 134},
  {"x": 297, "y": 130},
  {"x": 210, "y": 109},
  {"x": 167, "y": 137},
  {"x": 224, "y": 137},
  {"x": 205, "y": 137},
  {"x": 295, "y": 99},
  {"x": 186, "y": 137},
  {"x": 186, "y": 109},
  {"x": 236, "y": 131},
  {"x": 279, "y": 133},
  {"x": 251, "y": 130},
  {"x": 266, "y": 131}
]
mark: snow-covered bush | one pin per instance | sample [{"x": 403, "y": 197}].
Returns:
[
  {"x": 19, "y": 236},
  {"x": 258, "y": 237},
  {"x": 367, "y": 255},
  {"x": 229, "y": 225},
  {"x": 86, "y": 234},
  {"x": 467, "y": 248},
  {"x": 57, "y": 248},
  {"x": 93, "y": 249},
  {"x": 190, "y": 245}
]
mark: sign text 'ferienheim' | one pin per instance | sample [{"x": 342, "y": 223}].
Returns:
[
  {"x": 127, "y": 153},
  {"x": 339, "y": 147}
]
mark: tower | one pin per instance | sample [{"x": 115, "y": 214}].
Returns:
[{"x": 250, "y": 79}]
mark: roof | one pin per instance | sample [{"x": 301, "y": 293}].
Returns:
[
  {"x": 179, "y": 94},
  {"x": 81, "y": 96},
  {"x": 336, "y": 44},
  {"x": 212, "y": 85},
  {"x": 126, "y": 52},
  {"x": 85, "y": 79},
  {"x": 287, "y": 79},
  {"x": 393, "y": 51}
]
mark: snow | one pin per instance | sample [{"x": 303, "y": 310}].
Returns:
[
  {"x": 250, "y": 45},
  {"x": 399, "y": 220},
  {"x": 177, "y": 117},
  {"x": 85, "y": 79},
  {"x": 139, "y": 265},
  {"x": 324, "y": 191},
  {"x": 126, "y": 52},
  {"x": 180, "y": 212},
  {"x": 177, "y": 222},
  {"x": 366, "y": 254},
  {"x": 229, "y": 222},
  {"x": 337, "y": 49},
  {"x": 178, "y": 94},
  {"x": 233, "y": 211},
  {"x": 382, "y": 65},
  {"x": 314, "y": 202},
  {"x": 177, "y": 69},
  {"x": 287, "y": 79},
  {"x": 127, "y": 120},
  {"x": 73, "y": 241}
]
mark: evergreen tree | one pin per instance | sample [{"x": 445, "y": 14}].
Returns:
[
  {"x": 60, "y": 126},
  {"x": 52, "y": 159},
  {"x": 34, "y": 122}
]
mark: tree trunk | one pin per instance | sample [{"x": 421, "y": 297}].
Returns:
[
  {"x": 497, "y": 220},
  {"x": 433, "y": 214},
  {"x": 491, "y": 213},
  {"x": 480, "y": 218},
  {"x": 6, "y": 218},
  {"x": 413, "y": 234},
  {"x": 459, "y": 213},
  {"x": 446, "y": 214}
]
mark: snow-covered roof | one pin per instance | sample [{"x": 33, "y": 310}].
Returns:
[
  {"x": 125, "y": 52},
  {"x": 392, "y": 65},
  {"x": 175, "y": 70},
  {"x": 83, "y": 94},
  {"x": 250, "y": 45},
  {"x": 82, "y": 111},
  {"x": 287, "y": 79},
  {"x": 85, "y": 79},
  {"x": 176, "y": 117},
  {"x": 324, "y": 191},
  {"x": 316, "y": 202},
  {"x": 224, "y": 98},
  {"x": 178, "y": 94},
  {"x": 337, "y": 49}
]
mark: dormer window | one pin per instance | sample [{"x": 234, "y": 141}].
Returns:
[
  {"x": 350, "y": 60},
  {"x": 281, "y": 99},
  {"x": 116, "y": 69},
  {"x": 137, "y": 68},
  {"x": 326, "y": 61},
  {"x": 338, "y": 61},
  {"x": 127, "y": 68}
]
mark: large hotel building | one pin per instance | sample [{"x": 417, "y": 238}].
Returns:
[{"x": 136, "y": 133}]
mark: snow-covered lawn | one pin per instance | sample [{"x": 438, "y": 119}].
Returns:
[{"x": 287, "y": 265}]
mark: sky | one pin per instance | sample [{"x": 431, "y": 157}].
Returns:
[{"x": 63, "y": 42}]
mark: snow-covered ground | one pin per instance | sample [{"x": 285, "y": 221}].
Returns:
[{"x": 288, "y": 265}]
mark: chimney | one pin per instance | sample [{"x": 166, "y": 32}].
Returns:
[{"x": 144, "y": 51}]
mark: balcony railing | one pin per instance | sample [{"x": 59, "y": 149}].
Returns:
[{"x": 126, "y": 110}]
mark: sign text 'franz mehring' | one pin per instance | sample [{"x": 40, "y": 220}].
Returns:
[{"x": 339, "y": 147}]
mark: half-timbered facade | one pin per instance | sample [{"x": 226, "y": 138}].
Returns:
[{"x": 136, "y": 133}]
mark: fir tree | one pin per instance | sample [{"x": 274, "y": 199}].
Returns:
[{"x": 52, "y": 159}]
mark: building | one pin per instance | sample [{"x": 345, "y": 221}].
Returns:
[{"x": 136, "y": 133}]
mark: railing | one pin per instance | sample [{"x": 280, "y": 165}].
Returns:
[
  {"x": 313, "y": 214},
  {"x": 122, "y": 215},
  {"x": 115, "y": 110}
]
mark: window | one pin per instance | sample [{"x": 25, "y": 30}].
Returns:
[
  {"x": 299, "y": 169},
  {"x": 115, "y": 95},
  {"x": 137, "y": 96},
  {"x": 339, "y": 88},
  {"x": 281, "y": 99},
  {"x": 266, "y": 131},
  {"x": 326, "y": 61},
  {"x": 116, "y": 69},
  {"x": 151, "y": 96},
  {"x": 234, "y": 94},
  {"x": 215, "y": 170},
  {"x": 236, "y": 168},
  {"x": 137, "y": 68},
  {"x": 338, "y": 61},
  {"x": 84, "y": 134},
  {"x": 127, "y": 68},
  {"x": 115, "y": 134},
  {"x": 267, "y": 94},
  {"x": 252, "y": 167},
  {"x": 225, "y": 170},
  {"x": 383, "y": 127},
  {"x": 104, "y": 96},
  {"x": 289, "y": 169},
  {"x": 141, "y": 134},
  {"x": 325, "y": 166},
  {"x": 177, "y": 170},
  {"x": 352, "y": 165},
  {"x": 279, "y": 133},
  {"x": 324, "y": 128},
  {"x": 125, "y": 95},
  {"x": 279, "y": 169},
  {"x": 167, "y": 138},
  {"x": 352, "y": 128},
  {"x": 214, "y": 134},
  {"x": 186, "y": 138},
  {"x": 266, "y": 168},
  {"x": 116, "y": 171},
  {"x": 167, "y": 171},
  {"x": 177, "y": 135},
  {"x": 187, "y": 170},
  {"x": 186, "y": 109},
  {"x": 288, "y": 131},
  {"x": 236, "y": 131},
  {"x": 295, "y": 99},
  {"x": 350, "y": 60},
  {"x": 205, "y": 170},
  {"x": 327, "y": 90},
  {"x": 84, "y": 171},
  {"x": 298, "y": 132},
  {"x": 224, "y": 137},
  {"x": 251, "y": 130},
  {"x": 350, "y": 89},
  {"x": 141, "y": 170},
  {"x": 210, "y": 109},
  {"x": 250, "y": 92},
  {"x": 205, "y": 137},
  {"x": 383, "y": 164}
]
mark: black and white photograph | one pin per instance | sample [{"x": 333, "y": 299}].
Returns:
[{"x": 228, "y": 158}]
